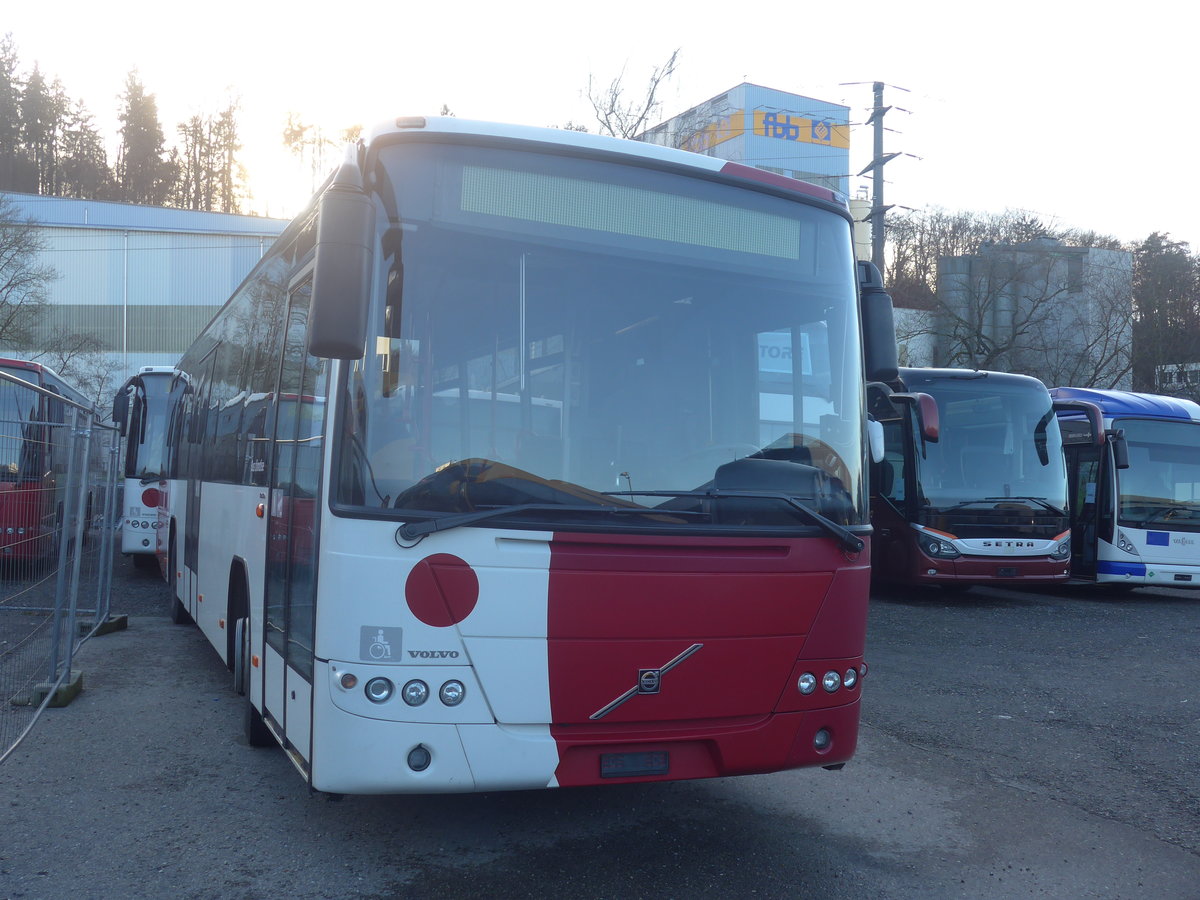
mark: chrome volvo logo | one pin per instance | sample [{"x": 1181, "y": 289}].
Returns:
[{"x": 649, "y": 681}]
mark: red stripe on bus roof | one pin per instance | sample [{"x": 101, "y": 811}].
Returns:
[{"x": 761, "y": 175}]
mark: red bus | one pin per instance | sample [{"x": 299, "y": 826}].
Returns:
[
  {"x": 35, "y": 443},
  {"x": 973, "y": 485},
  {"x": 529, "y": 458}
]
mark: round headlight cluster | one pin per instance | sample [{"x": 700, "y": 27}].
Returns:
[
  {"x": 831, "y": 681},
  {"x": 937, "y": 548},
  {"x": 414, "y": 692},
  {"x": 1062, "y": 551},
  {"x": 1125, "y": 544}
]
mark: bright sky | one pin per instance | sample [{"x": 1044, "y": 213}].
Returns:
[{"x": 1080, "y": 113}]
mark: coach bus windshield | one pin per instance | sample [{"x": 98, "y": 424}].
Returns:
[
  {"x": 1000, "y": 449},
  {"x": 560, "y": 330},
  {"x": 152, "y": 424},
  {"x": 1161, "y": 488}
]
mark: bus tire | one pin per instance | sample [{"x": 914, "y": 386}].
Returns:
[
  {"x": 253, "y": 726},
  {"x": 179, "y": 614},
  {"x": 241, "y": 639}
]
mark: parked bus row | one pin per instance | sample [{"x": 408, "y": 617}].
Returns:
[
  {"x": 990, "y": 478},
  {"x": 529, "y": 458}
]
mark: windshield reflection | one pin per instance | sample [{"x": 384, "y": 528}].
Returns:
[{"x": 520, "y": 362}]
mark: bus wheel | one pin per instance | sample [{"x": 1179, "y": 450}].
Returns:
[
  {"x": 241, "y": 643},
  {"x": 256, "y": 730},
  {"x": 179, "y": 614}
]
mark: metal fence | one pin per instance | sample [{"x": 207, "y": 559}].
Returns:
[{"x": 58, "y": 512}]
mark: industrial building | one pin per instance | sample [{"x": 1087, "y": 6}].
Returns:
[{"x": 142, "y": 280}]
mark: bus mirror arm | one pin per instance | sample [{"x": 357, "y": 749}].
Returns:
[{"x": 1120, "y": 448}]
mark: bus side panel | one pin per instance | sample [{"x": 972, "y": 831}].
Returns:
[{"x": 231, "y": 530}]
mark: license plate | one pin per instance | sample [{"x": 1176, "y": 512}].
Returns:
[
  {"x": 1006, "y": 572},
  {"x": 627, "y": 765}
]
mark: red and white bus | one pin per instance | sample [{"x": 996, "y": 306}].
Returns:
[
  {"x": 529, "y": 458},
  {"x": 35, "y": 448},
  {"x": 140, "y": 413},
  {"x": 973, "y": 486}
]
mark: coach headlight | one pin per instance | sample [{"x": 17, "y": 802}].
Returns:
[
  {"x": 850, "y": 679},
  {"x": 831, "y": 682},
  {"x": 807, "y": 683},
  {"x": 937, "y": 548},
  {"x": 1125, "y": 544},
  {"x": 1062, "y": 551}
]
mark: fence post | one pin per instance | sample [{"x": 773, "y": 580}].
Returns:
[
  {"x": 62, "y": 590},
  {"x": 108, "y": 528},
  {"x": 80, "y": 445}
]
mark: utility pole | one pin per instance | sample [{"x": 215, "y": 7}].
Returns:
[{"x": 878, "y": 160}]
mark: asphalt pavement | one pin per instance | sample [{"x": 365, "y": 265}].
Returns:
[{"x": 1014, "y": 744}]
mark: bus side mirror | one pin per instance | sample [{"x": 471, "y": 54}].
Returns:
[
  {"x": 928, "y": 419},
  {"x": 120, "y": 408},
  {"x": 337, "y": 318},
  {"x": 1090, "y": 411},
  {"x": 880, "y": 362},
  {"x": 1120, "y": 448}
]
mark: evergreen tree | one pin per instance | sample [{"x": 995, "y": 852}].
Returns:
[
  {"x": 144, "y": 173},
  {"x": 83, "y": 163},
  {"x": 1166, "y": 297},
  {"x": 10, "y": 115}
]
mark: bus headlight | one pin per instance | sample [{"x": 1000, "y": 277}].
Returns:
[
  {"x": 1125, "y": 544},
  {"x": 415, "y": 692},
  {"x": 831, "y": 682},
  {"x": 807, "y": 683},
  {"x": 378, "y": 690},
  {"x": 937, "y": 548},
  {"x": 850, "y": 679},
  {"x": 452, "y": 693},
  {"x": 1062, "y": 551}
]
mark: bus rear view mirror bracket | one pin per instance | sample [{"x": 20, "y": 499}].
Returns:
[
  {"x": 337, "y": 325},
  {"x": 1120, "y": 448}
]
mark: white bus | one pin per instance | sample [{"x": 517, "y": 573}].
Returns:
[
  {"x": 1135, "y": 487},
  {"x": 480, "y": 480},
  {"x": 140, "y": 412}
]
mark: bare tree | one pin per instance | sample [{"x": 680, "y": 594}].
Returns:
[
  {"x": 1061, "y": 314},
  {"x": 617, "y": 114},
  {"x": 24, "y": 280}
]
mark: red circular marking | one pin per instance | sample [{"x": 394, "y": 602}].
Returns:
[
  {"x": 150, "y": 498},
  {"x": 441, "y": 590}
]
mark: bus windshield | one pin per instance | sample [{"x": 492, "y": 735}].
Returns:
[
  {"x": 560, "y": 330},
  {"x": 1000, "y": 446},
  {"x": 21, "y": 434},
  {"x": 152, "y": 438},
  {"x": 1161, "y": 487}
]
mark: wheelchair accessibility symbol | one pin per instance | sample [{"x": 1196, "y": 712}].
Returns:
[{"x": 378, "y": 643}]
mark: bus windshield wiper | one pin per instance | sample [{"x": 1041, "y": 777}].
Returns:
[
  {"x": 845, "y": 537},
  {"x": 1045, "y": 504},
  {"x": 1163, "y": 513},
  {"x": 411, "y": 531},
  {"x": 150, "y": 477}
]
